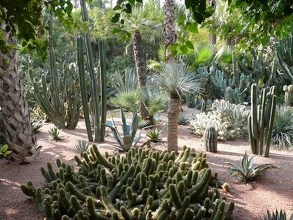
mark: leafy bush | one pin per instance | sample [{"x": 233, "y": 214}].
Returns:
[
  {"x": 246, "y": 171},
  {"x": 282, "y": 136},
  {"x": 230, "y": 120}
]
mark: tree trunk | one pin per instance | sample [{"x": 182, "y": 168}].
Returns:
[
  {"x": 15, "y": 115},
  {"x": 173, "y": 116},
  {"x": 140, "y": 64},
  {"x": 169, "y": 27}
]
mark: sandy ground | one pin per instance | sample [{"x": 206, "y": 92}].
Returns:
[{"x": 272, "y": 191}]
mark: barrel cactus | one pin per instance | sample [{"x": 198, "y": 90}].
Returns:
[{"x": 210, "y": 139}]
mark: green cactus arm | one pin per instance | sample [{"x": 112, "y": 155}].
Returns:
[
  {"x": 80, "y": 62},
  {"x": 270, "y": 127},
  {"x": 123, "y": 180},
  {"x": 102, "y": 57},
  {"x": 125, "y": 126},
  {"x": 94, "y": 86},
  {"x": 254, "y": 124}
]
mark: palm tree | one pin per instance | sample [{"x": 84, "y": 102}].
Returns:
[
  {"x": 14, "y": 110},
  {"x": 169, "y": 27},
  {"x": 175, "y": 79}
]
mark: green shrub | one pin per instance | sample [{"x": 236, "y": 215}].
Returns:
[{"x": 282, "y": 136}]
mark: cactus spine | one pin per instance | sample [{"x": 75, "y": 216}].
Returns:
[
  {"x": 210, "y": 139},
  {"x": 260, "y": 122}
]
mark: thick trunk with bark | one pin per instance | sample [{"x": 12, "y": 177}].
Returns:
[
  {"x": 15, "y": 115},
  {"x": 140, "y": 64},
  {"x": 169, "y": 27},
  {"x": 173, "y": 116}
]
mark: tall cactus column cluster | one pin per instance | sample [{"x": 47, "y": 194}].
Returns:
[
  {"x": 97, "y": 90},
  {"x": 57, "y": 90},
  {"x": 261, "y": 120},
  {"x": 142, "y": 185}
]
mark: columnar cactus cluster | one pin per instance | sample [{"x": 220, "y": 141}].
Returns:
[
  {"x": 142, "y": 184},
  {"x": 261, "y": 120}
]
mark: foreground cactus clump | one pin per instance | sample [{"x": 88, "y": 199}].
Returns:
[{"x": 142, "y": 184}]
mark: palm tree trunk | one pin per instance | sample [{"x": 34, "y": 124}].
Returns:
[
  {"x": 140, "y": 64},
  {"x": 173, "y": 116},
  {"x": 169, "y": 27},
  {"x": 15, "y": 115}
]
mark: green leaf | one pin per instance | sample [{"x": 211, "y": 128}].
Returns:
[
  {"x": 115, "y": 18},
  {"x": 184, "y": 49},
  {"x": 69, "y": 7},
  {"x": 193, "y": 28},
  {"x": 116, "y": 30},
  {"x": 189, "y": 45},
  {"x": 128, "y": 8}
]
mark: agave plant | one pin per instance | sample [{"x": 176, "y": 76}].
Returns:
[
  {"x": 55, "y": 134},
  {"x": 246, "y": 171},
  {"x": 153, "y": 134},
  {"x": 81, "y": 146},
  {"x": 276, "y": 216},
  {"x": 129, "y": 138}
]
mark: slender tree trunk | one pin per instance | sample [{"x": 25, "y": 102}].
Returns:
[
  {"x": 140, "y": 64},
  {"x": 173, "y": 116},
  {"x": 169, "y": 27},
  {"x": 15, "y": 115}
]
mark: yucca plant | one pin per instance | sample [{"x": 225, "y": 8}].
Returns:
[
  {"x": 276, "y": 216},
  {"x": 153, "y": 134},
  {"x": 246, "y": 171},
  {"x": 55, "y": 134},
  {"x": 81, "y": 146},
  {"x": 282, "y": 136}
]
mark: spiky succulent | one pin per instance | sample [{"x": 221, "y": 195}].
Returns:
[{"x": 246, "y": 171}]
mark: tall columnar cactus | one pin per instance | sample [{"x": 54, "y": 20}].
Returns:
[
  {"x": 99, "y": 111},
  {"x": 288, "y": 93},
  {"x": 52, "y": 96},
  {"x": 210, "y": 139},
  {"x": 143, "y": 184},
  {"x": 260, "y": 122}
]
